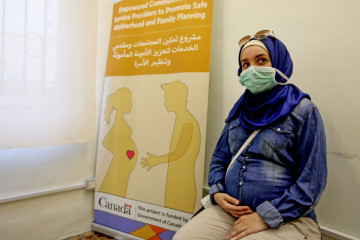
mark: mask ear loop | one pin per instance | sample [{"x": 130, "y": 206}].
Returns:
[
  {"x": 283, "y": 76},
  {"x": 240, "y": 68}
]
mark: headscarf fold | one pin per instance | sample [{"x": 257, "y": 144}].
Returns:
[{"x": 260, "y": 110}]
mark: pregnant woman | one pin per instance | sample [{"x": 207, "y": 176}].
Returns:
[{"x": 119, "y": 142}]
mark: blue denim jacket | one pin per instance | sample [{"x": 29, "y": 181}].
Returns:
[{"x": 282, "y": 173}]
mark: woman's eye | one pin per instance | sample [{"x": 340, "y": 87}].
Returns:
[
  {"x": 263, "y": 61},
  {"x": 245, "y": 65}
]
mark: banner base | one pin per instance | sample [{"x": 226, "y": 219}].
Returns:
[{"x": 112, "y": 232}]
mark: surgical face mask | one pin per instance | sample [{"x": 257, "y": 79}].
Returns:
[{"x": 260, "y": 79}]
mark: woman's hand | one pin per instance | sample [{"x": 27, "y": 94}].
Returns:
[
  {"x": 246, "y": 225},
  {"x": 230, "y": 205}
]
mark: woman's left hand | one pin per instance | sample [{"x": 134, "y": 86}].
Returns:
[{"x": 247, "y": 224}]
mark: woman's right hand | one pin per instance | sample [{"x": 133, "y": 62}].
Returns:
[{"x": 230, "y": 205}]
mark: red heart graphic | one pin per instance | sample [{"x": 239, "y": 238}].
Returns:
[{"x": 130, "y": 154}]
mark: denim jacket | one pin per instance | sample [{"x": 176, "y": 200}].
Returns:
[{"x": 282, "y": 173}]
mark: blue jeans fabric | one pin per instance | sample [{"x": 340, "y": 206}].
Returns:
[{"x": 282, "y": 173}]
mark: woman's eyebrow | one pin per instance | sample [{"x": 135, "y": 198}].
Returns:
[
  {"x": 257, "y": 56},
  {"x": 261, "y": 55}
]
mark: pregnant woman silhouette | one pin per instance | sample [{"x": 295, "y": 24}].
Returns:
[{"x": 119, "y": 142}]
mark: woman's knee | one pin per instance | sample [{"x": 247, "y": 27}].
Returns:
[{"x": 182, "y": 234}]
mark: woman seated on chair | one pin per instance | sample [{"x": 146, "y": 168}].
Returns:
[{"x": 270, "y": 190}]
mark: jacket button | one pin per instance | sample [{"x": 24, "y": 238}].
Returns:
[{"x": 240, "y": 183}]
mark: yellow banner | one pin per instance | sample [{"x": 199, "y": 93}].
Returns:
[
  {"x": 151, "y": 145},
  {"x": 155, "y": 37}
]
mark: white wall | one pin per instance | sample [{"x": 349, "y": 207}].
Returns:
[
  {"x": 323, "y": 39},
  {"x": 59, "y": 215}
]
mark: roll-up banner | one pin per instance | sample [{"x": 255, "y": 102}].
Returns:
[{"x": 151, "y": 146}]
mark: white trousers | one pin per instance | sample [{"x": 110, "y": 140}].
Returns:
[{"x": 213, "y": 223}]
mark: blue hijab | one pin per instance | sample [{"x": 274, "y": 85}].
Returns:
[{"x": 260, "y": 110}]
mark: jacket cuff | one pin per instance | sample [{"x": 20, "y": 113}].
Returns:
[
  {"x": 270, "y": 214},
  {"x": 215, "y": 189}
]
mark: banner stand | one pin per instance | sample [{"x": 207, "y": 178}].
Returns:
[
  {"x": 152, "y": 128},
  {"x": 113, "y": 233}
]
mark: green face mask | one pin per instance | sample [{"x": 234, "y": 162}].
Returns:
[{"x": 260, "y": 79}]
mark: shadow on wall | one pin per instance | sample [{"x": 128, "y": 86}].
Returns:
[
  {"x": 336, "y": 208},
  {"x": 342, "y": 191},
  {"x": 216, "y": 96}
]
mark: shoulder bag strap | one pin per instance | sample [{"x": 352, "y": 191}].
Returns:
[
  {"x": 247, "y": 142},
  {"x": 206, "y": 200}
]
